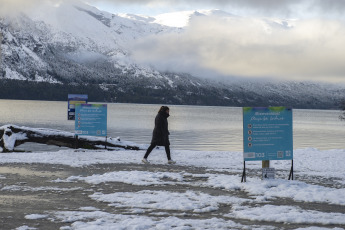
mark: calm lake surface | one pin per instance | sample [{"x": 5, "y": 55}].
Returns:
[{"x": 192, "y": 127}]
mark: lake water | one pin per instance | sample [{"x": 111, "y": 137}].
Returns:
[{"x": 192, "y": 127}]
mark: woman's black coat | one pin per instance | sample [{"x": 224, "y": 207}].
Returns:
[{"x": 160, "y": 135}]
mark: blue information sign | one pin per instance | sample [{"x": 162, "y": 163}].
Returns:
[
  {"x": 91, "y": 119},
  {"x": 74, "y": 99},
  {"x": 267, "y": 134}
]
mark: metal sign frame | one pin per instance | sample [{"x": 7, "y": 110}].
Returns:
[{"x": 267, "y": 135}]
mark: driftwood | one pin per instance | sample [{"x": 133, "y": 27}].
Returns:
[{"x": 12, "y": 136}]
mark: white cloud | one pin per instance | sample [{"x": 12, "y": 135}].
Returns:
[
  {"x": 247, "y": 47},
  {"x": 13, "y": 7},
  {"x": 281, "y": 8},
  {"x": 243, "y": 47}
]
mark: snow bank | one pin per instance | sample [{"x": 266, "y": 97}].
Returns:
[
  {"x": 287, "y": 214},
  {"x": 105, "y": 221},
  {"x": 169, "y": 201},
  {"x": 131, "y": 177},
  {"x": 307, "y": 162}
]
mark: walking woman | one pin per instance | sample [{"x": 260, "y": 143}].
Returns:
[{"x": 160, "y": 135}]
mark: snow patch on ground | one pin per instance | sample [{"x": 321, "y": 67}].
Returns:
[
  {"x": 35, "y": 217},
  {"x": 171, "y": 201},
  {"x": 261, "y": 190},
  {"x": 131, "y": 177},
  {"x": 287, "y": 214},
  {"x": 104, "y": 221}
]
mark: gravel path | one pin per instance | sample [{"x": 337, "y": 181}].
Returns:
[{"x": 27, "y": 189}]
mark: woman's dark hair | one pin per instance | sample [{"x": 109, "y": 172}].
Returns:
[{"x": 163, "y": 109}]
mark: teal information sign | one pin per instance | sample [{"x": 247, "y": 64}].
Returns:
[
  {"x": 267, "y": 134},
  {"x": 91, "y": 119}
]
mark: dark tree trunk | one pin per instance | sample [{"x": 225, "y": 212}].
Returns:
[{"x": 12, "y": 136}]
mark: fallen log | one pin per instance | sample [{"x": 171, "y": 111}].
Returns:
[{"x": 12, "y": 136}]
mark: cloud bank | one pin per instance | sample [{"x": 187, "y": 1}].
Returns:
[
  {"x": 10, "y": 8},
  {"x": 247, "y": 47},
  {"x": 311, "y": 48},
  {"x": 282, "y": 8}
]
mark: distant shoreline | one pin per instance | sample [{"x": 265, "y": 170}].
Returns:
[{"x": 45, "y": 91}]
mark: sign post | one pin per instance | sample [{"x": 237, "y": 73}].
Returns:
[{"x": 267, "y": 134}]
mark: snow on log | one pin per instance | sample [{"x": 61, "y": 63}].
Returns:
[{"x": 12, "y": 136}]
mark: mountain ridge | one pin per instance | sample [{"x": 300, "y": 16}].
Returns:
[{"x": 66, "y": 53}]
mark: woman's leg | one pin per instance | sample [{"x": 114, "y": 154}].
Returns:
[
  {"x": 167, "y": 150},
  {"x": 149, "y": 150}
]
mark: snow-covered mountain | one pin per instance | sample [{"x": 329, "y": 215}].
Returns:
[
  {"x": 72, "y": 32},
  {"x": 182, "y": 18},
  {"x": 71, "y": 45}
]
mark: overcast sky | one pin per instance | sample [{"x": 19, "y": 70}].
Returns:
[
  {"x": 311, "y": 49},
  {"x": 281, "y": 8}
]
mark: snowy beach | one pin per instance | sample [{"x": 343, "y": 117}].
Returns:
[
  {"x": 113, "y": 190},
  {"x": 61, "y": 188},
  {"x": 89, "y": 88}
]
